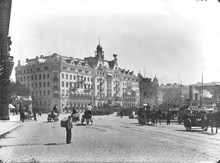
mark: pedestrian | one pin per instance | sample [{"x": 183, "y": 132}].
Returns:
[
  {"x": 35, "y": 116},
  {"x": 69, "y": 126},
  {"x": 22, "y": 116},
  {"x": 168, "y": 117},
  {"x": 159, "y": 116},
  {"x": 121, "y": 114}
]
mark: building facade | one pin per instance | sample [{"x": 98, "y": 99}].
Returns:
[{"x": 65, "y": 81}]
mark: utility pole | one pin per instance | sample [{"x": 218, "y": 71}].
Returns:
[{"x": 202, "y": 94}]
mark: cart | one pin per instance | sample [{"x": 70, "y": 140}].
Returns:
[{"x": 75, "y": 117}]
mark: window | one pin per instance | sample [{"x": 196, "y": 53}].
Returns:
[
  {"x": 62, "y": 76},
  {"x": 48, "y": 92},
  {"x": 35, "y": 85},
  {"x": 44, "y": 93},
  {"x": 28, "y": 78},
  {"x": 62, "y": 83},
  {"x": 32, "y": 77},
  {"x": 74, "y": 77},
  {"x": 39, "y": 76},
  {"x": 37, "y": 69},
  {"x": 64, "y": 68},
  {"x": 24, "y": 78},
  {"x": 35, "y": 77},
  {"x": 70, "y": 77},
  {"x": 44, "y": 76},
  {"x": 32, "y": 85},
  {"x": 46, "y": 68},
  {"x": 66, "y": 84},
  {"x": 40, "y": 93},
  {"x": 40, "y": 85},
  {"x": 48, "y": 84},
  {"x": 36, "y": 93},
  {"x": 66, "y": 76},
  {"x": 44, "y": 84},
  {"x": 48, "y": 75}
]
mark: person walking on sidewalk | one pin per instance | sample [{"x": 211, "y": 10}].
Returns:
[
  {"x": 168, "y": 117},
  {"x": 69, "y": 126}
]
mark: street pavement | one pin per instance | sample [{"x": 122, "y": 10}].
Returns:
[
  {"x": 7, "y": 126},
  {"x": 109, "y": 139}
]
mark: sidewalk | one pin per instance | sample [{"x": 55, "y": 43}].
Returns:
[{"x": 7, "y": 126}]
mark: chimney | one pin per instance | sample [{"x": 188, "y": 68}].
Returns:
[
  {"x": 190, "y": 93},
  {"x": 196, "y": 97}
]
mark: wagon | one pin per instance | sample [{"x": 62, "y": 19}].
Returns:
[
  {"x": 52, "y": 116},
  {"x": 195, "y": 120}
]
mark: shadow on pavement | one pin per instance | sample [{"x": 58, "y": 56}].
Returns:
[
  {"x": 55, "y": 144},
  {"x": 192, "y": 131},
  {"x": 14, "y": 145}
]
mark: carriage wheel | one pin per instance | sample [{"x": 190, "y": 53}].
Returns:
[{"x": 188, "y": 124}]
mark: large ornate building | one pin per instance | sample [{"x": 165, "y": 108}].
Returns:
[{"x": 64, "y": 81}]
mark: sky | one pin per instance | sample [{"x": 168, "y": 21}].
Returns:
[{"x": 176, "y": 40}]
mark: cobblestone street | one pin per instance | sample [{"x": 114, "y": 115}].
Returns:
[{"x": 109, "y": 139}]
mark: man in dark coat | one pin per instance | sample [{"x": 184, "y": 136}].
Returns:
[
  {"x": 69, "y": 126},
  {"x": 168, "y": 117}
]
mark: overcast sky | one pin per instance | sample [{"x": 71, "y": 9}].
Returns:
[{"x": 156, "y": 37}]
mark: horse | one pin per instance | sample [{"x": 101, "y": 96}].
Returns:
[{"x": 213, "y": 120}]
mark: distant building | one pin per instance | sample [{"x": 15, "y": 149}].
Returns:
[
  {"x": 173, "y": 95},
  {"x": 64, "y": 81},
  {"x": 209, "y": 92},
  {"x": 148, "y": 90}
]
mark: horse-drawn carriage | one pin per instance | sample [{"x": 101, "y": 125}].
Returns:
[
  {"x": 52, "y": 116},
  {"x": 146, "y": 116}
]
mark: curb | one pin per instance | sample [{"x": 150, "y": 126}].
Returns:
[{"x": 8, "y": 131}]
